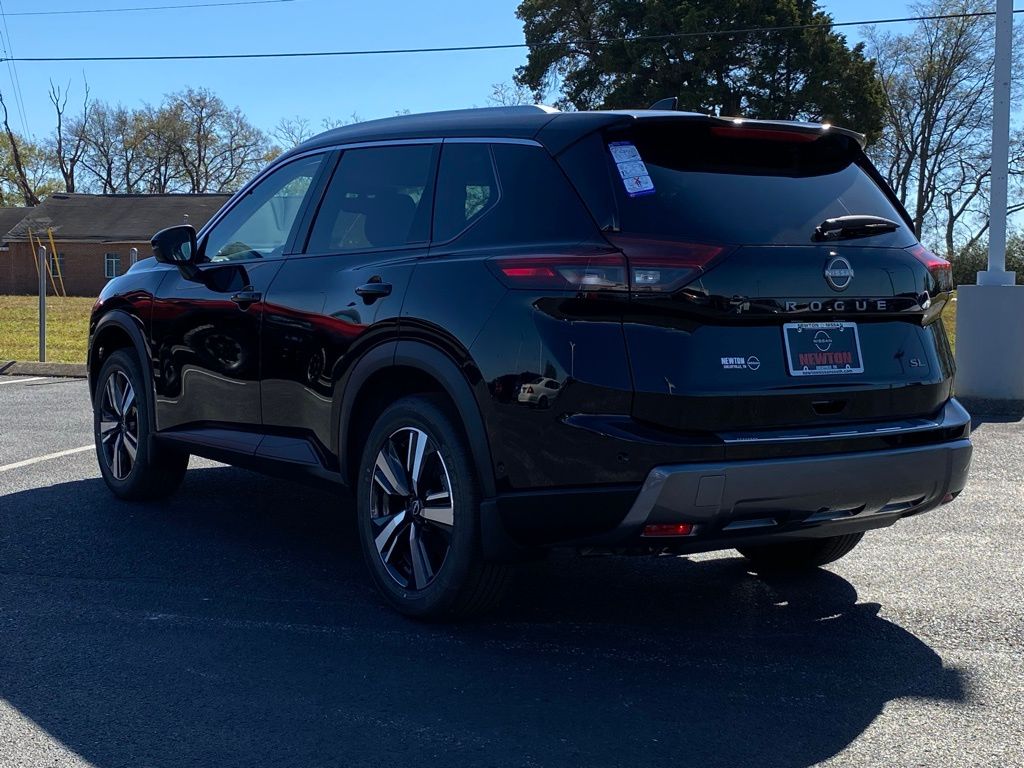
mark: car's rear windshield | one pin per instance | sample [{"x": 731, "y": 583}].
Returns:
[{"x": 717, "y": 184}]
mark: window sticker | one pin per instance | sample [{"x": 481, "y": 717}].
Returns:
[{"x": 635, "y": 176}]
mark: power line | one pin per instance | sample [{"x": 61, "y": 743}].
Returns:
[
  {"x": 147, "y": 8},
  {"x": 503, "y": 46},
  {"x": 12, "y": 70}
]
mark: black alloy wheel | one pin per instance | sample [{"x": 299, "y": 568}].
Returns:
[
  {"x": 411, "y": 508},
  {"x": 133, "y": 465},
  {"x": 119, "y": 425},
  {"x": 419, "y": 505}
]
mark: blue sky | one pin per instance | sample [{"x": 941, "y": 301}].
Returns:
[{"x": 372, "y": 86}]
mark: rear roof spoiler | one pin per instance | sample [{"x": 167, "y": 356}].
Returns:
[{"x": 566, "y": 128}]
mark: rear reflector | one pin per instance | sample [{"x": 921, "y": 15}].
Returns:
[
  {"x": 667, "y": 529},
  {"x": 941, "y": 269}
]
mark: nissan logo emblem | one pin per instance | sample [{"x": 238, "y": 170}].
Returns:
[{"x": 839, "y": 273}]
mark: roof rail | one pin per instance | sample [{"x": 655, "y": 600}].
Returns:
[{"x": 523, "y": 108}]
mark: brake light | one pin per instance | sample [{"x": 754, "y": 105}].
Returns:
[
  {"x": 940, "y": 269},
  {"x": 664, "y": 266},
  {"x": 521, "y": 272},
  {"x": 562, "y": 272},
  {"x": 740, "y": 131}
]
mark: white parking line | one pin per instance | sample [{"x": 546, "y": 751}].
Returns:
[
  {"x": 20, "y": 380},
  {"x": 47, "y": 457}
]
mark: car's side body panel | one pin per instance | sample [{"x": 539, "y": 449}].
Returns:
[{"x": 315, "y": 328}]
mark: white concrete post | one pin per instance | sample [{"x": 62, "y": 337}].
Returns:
[
  {"x": 133, "y": 255},
  {"x": 996, "y": 273},
  {"x": 990, "y": 315}
]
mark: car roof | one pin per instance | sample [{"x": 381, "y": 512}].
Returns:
[{"x": 554, "y": 129}]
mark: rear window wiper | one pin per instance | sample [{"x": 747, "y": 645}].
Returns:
[{"x": 849, "y": 227}]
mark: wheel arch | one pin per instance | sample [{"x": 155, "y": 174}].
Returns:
[
  {"x": 395, "y": 369},
  {"x": 116, "y": 330}
]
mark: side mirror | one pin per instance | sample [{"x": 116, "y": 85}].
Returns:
[{"x": 176, "y": 245}]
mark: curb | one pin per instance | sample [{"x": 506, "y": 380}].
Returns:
[{"x": 60, "y": 370}]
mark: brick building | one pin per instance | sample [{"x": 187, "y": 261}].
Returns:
[{"x": 94, "y": 235}]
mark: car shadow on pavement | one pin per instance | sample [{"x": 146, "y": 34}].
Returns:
[{"x": 233, "y": 626}]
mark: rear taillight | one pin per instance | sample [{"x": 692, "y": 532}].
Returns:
[
  {"x": 648, "y": 267},
  {"x": 664, "y": 266},
  {"x": 568, "y": 272},
  {"x": 940, "y": 269}
]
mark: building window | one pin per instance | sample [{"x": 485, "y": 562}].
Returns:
[
  {"x": 112, "y": 264},
  {"x": 56, "y": 260}
]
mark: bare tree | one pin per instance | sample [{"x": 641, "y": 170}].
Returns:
[
  {"x": 335, "y": 122},
  {"x": 292, "y": 131},
  {"x": 164, "y": 130},
  {"x": 68, "y": 143},
  {"x": 936, "y": 142},
  {"x": 21, "y": 177},
  {"x": 218, "y": 147},
  {"x": 509, "y": 95},
  {"x": 100, "y": 158}
]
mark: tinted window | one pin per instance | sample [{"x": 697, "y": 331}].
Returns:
[
  {"x": 535, "y": 202},
  {"x": 712, "y": 186},
  {"x": 378, "y": 198},
  {"x": 466, "y": 188},
  {"x": 593, "y": 180},
  {"x": 260, "y": 223}
]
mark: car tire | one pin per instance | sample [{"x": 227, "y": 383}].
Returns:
[
  {"x": 133, "y": 467},
  {"x": 419, "y": 514},
  {"x": 801, "y": 555}
]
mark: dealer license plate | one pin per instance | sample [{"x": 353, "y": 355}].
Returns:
[{"x": 820, "y": 349}]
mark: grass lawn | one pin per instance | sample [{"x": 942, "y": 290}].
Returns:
[
  {"x": 949, "y": 320},
  {"x": 67, "y": 328}
]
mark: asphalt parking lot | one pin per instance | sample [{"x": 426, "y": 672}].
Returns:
[{"x": 233, "y": 626}]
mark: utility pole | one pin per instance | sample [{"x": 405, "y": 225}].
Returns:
[
  {"x": 42, "y": 303},
  {"x": 990, "y": 342},
  {"x": 996, "y": 273}
]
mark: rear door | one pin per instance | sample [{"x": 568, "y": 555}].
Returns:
[
  {"x": 741, "y": 316},
  {"x": 344, "y": 292}
]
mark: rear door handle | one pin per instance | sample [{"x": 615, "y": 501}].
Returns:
[
  {"x": 246, "y": 297},
  {"x": 373, "y": 291}
]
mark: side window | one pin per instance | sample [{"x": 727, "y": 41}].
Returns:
[
  {"x": 259, "y": 224},
  {"x": 466, "y": 188},
  {"x": 542, "y": 205},
  {"x": 537, "y": 203},
  {"x": 56, "y": 262},
  {"x": 379, "y": 197}
]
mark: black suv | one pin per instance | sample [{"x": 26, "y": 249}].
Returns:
[{"x": 511, "y": 329}]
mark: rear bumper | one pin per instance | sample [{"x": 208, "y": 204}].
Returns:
[
  {"x": 746, "y": 500},
  {"x": 814, "y": 496}
]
